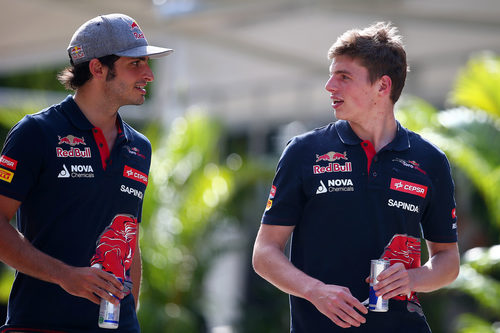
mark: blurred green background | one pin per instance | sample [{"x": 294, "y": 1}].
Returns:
[{"x": 213, "y": 162}]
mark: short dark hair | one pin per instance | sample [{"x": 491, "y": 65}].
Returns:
[
  {"x": 379, "y": 49},
  {"x": 75, "y": 76}
]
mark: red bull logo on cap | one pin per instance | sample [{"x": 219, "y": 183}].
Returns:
[
  {"x": 137, "y": 34},
  {"x": 76, "y": 52}
]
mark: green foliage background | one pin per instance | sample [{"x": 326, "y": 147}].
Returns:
[{"x": 469, "y": 133}]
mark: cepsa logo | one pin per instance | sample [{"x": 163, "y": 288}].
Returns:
[
  {"x": 408, "y": 187},
  {"x": 272, "y": 193},
  {"x": 8, "y": 162},
  {"x": 134, "y": 174}
]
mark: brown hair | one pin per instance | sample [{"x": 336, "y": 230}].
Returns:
[
  {"x": 379, "y": 49},
  {"x": 75, "y": 76}
]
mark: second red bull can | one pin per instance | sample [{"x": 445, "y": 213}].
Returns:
[
  {"x": 109, "y": 314},
  {"x": 377, "y": 304}
]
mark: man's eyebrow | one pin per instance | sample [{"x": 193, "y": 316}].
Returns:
[
  {"x": 139, "y": 58},
  {"x": 342, "y": 71}
]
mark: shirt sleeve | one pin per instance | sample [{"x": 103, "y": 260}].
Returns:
[
  {"x": 286, "y": 199},
  {"x": 148, "y": 158},
  {"x": 439, "y": 221},
  {"x": 21, "y": 159}
]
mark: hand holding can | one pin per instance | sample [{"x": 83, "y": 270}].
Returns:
[
  {"x": 109, "y": 313},
  {"x": 377, "y": 304}
]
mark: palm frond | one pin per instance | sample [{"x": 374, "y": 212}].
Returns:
[
  {"x": 477, "y": 84},
  {"x": 483, "y": 288}
]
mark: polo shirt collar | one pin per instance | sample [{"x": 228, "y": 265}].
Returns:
[
  {"x": 347, "y": 136},
  {"x": 78, "y": 119}
]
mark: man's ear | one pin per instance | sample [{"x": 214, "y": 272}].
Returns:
[
  {"x": 385, "y": 85},
  {"x": 97, "y": 69}
]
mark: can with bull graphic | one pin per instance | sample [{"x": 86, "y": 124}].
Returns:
[{"x": 377, "y": 304}]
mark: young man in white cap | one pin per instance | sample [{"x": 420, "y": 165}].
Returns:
[{"x": 76, "y": 173}]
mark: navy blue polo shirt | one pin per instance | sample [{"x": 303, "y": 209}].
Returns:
[
  {"x": 72, "y": 189},
  {"x": 350, "y": 204}
]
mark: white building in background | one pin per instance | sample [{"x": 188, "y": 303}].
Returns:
[{"x": 259, "y": 62}]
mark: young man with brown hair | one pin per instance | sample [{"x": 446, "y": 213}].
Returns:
[
  {"x": 73, "y": 172},
  {"x": 359, "y": 189}
]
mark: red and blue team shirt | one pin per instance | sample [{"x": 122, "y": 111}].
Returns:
[
  {"x": 350, "y": 204},
  {"x": 81, "y": 203}
]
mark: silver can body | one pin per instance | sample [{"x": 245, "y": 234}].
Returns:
[
  {"x": 377, "y": 304},
  {"x": 109, "y": 315}
]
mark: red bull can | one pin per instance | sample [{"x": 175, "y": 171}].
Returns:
[
  {"x": 109, "y": 314},
  {"x": 377, "y": 304}
]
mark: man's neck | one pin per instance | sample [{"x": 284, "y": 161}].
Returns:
[
  {"x": 96, "y": 111},
  {"x": 380, "y": 132},
  {"x": 99, "y": 114}
]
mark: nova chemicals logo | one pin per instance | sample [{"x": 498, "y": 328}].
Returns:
[
  {"x": 77, "y": 171},
  {"x": 335, "y": 185}
]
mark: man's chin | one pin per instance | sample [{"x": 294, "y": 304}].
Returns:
[
  {"x": 138, "y": 101},
  {"x": 338, "y": 115}
]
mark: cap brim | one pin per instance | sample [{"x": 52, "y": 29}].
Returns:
[{"x": 145, "y": 51}]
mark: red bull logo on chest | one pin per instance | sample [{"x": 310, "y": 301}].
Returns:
[
  {"x": 71, "y": 140},
  {"x": 331, "y": 156}
]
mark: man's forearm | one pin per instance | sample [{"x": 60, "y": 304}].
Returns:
[
  {"x": 271, "y": 264},
  {"x": 136, "y": 275},
  {"x": 17, "y": 252},
  {"x": 441, "y": 269}
]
